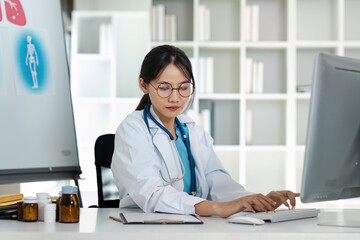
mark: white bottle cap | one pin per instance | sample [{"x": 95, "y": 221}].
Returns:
[
  {"x": 30, "y": 200},
  {"x": 42, "y": 195}
]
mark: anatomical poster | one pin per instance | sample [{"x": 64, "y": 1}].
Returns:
[{"x": 31, "y": 61}]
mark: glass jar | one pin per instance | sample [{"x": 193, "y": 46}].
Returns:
[
  {"x": 20, "y": 210},
  {"x": 69, "y": 205},
  {"x": 58, "y": 206},
  {"x": 30, "y": 209}
]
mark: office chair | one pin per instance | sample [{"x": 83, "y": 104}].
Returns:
[{"x": 104, "y": 148}]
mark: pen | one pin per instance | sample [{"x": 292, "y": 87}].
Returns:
[{"x": 115, "y": 219}]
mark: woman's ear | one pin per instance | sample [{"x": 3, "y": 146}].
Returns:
[{"x": 143, "y": 86}]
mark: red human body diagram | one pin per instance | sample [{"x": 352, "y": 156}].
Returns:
[{"x": 14, "y": 12}]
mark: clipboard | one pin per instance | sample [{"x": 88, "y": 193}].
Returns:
[{"x": 158, "y": 218}]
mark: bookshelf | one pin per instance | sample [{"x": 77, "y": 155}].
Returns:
[
  {"x": 105, "y": 65},
  {"x": 290, "y": 33}
]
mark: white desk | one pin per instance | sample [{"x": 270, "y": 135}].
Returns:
[{"x": 95, "y": 224}]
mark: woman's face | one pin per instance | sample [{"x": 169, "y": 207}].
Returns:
[{"x": 167, "y": 108}]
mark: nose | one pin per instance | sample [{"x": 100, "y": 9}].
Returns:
[{"x": 174, "y": 96}]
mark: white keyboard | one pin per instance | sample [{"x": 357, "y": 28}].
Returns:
[{"x": 281, "y": 215}]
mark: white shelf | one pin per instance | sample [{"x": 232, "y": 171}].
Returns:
[
  {"x": 265, "y": 96},
  {"x": 250, "y": 148},
  {"x": 352, "y": 44},
  {"x": 291, "y": 33},
  {"x": 318, "y": 44},
  {"x": 218, "y": 96},
  {"x": 303, "y": 96},
  {"x": 267, "y": 45},
  {"x": 220, "y": 45},
  {"x": 180, "y": 44}
]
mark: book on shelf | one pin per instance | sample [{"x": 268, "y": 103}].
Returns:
[
  {"x": 212, "y": 118},
  {"x": 6, "y": 198},
  {"x": 249, "y": 127},
  {"x": 204, "y": 23},
  {"x": 163, "y": 26},
  {"x": 248, "y": 74},
  {"x": 254, "y": 76},
  {"x": 9, "y": 213},
  {"x": 252, "y": 18},
  {"x": 206, "y": 75},
  {"x": 160, "y": 17},
  {"x": 195, "y": 69},
  {"x": 154, "y": 23},
  {"x": 8, "y": 205},
  {"x": 206, "y": 118},
  {"x": 170, "y": 27}
]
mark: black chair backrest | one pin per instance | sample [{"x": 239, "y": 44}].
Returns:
[{"x": 104, "y": 149}]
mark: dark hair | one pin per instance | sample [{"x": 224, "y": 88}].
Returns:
[{"x": 156, "y": 61}]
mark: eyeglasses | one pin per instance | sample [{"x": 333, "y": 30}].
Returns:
[{"x": 164, "y": 90}]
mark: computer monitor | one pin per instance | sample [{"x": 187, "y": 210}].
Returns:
[{"x": 332, "y": 156}]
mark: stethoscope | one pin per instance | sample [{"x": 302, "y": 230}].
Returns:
[{"x": 147, "y": 114}]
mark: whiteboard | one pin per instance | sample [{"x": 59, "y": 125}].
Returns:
[{"x": 37, "y": 132}]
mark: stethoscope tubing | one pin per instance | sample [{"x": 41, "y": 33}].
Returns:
[{"x": 186, "y": 141}]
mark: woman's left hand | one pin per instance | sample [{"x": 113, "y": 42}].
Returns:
[{"x": 282, "y": 197}]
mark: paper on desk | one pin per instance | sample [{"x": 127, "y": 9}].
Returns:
[{"x": 158, "y": 218}]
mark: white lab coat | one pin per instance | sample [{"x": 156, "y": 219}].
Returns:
[{"x": 142, "y": 161}]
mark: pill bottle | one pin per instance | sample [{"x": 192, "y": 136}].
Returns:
[
  {"x": 30, "y": 209},
  {"x": 50, "y": 213},
  {"x": 58, "y": 206},
  {"x": 69, "y": 205},
  {"x": 20, "y": 210},
  {"x": 43, "y": 199}
]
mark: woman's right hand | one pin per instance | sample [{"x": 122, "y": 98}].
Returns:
[{"x": 255, "y": 202}]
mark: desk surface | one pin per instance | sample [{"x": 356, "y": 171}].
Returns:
[{"x": 95, "y": 224}]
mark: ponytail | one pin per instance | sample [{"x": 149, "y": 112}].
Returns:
[{"x": 145, "y": 100}]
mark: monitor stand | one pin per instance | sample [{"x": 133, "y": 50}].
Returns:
[{"x": 340, "y": 218}]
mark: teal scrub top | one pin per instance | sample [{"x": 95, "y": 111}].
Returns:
[{"x": 181, "y": 147}]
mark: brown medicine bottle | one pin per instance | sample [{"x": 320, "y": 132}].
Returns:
[
  {"x": 30, "y": 209},
  {"x": 69, "y": 205},
  {"x": 20, "y": 210}
]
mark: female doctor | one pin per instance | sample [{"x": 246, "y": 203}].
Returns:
[{"x": 164, "y": 162}]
